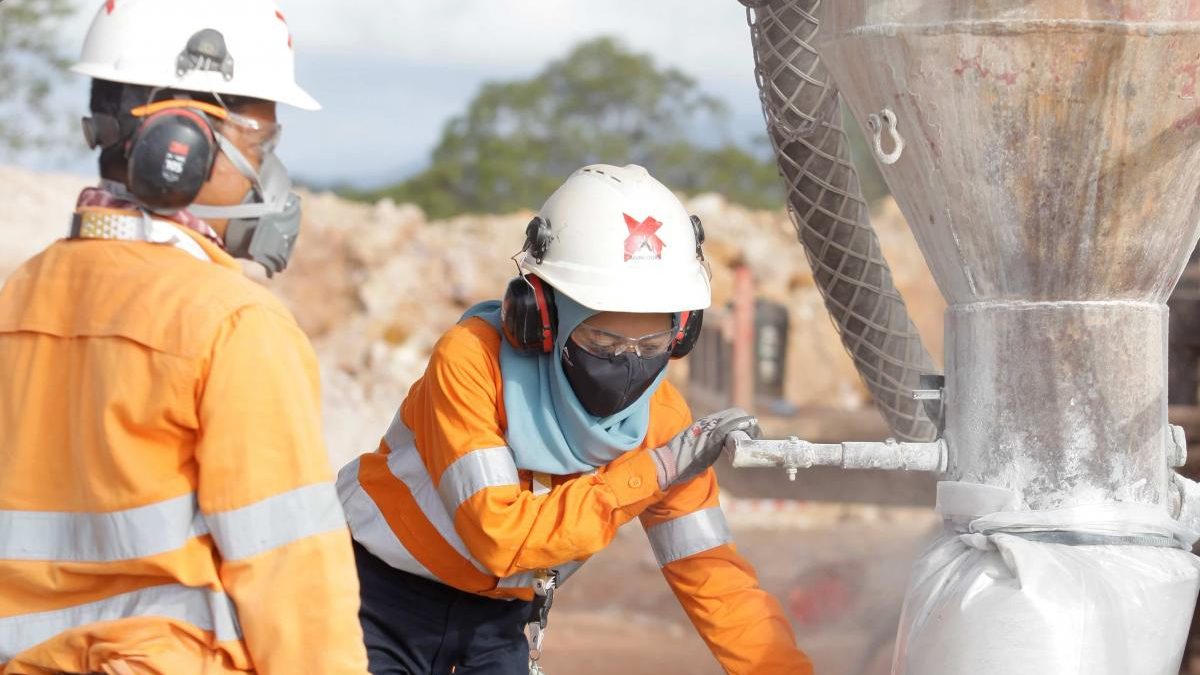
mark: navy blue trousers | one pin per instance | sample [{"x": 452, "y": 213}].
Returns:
[{"x": 414, "y": 626}]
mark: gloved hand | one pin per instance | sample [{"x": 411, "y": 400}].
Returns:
[{"x": 698, "y": 447}]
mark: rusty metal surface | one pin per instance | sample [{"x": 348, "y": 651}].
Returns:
[
  {"x": 1051, "y": 145},
  {"x": 832, "y": 221},
  {"x": 1052, "y": 179}
]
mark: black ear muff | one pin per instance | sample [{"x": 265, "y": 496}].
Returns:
[
  {"x": 170, "y": 158},
  {"x": 528, "y": 315},
  {"x": 690, "y": 324}
]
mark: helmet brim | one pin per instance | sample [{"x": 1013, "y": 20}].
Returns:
[
  {"x": 636, "y": 290},
  {"x": 288, "y": 94}
]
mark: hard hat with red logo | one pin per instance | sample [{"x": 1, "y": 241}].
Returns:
[
  {"x": 617, "y": 240},
  {"x": 234, "y": 47}
]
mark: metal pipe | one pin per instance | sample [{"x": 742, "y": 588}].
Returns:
[
  {"x": 1030, "y": 201},
  {"x": 794, "y": 454}
]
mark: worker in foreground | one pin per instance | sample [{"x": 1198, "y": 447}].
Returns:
[
  {"x": 542, "y": 424},
  {"x": 166, "y": 503}
]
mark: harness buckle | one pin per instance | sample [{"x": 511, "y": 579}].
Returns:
[{"x": 544, "y": 584}]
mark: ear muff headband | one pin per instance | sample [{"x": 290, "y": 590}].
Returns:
[
  {"x": 206, "y": 108},
  {"x": 196, "y": 117},
  {"x": 539, "y": 294}
]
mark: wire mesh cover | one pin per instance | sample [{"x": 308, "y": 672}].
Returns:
[{"x": 832, "y": 220}]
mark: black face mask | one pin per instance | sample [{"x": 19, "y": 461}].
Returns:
[{"x": 608, "y": 386}]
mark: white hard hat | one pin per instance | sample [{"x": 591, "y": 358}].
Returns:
[
  {"x": 620, "y": 241},
  {"x": 155, "y": 43}
]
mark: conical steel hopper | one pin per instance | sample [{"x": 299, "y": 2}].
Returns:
[{"x": 1050, "y": 171}]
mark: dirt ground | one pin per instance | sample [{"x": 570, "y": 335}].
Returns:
[{"x": 838, "y": 570}]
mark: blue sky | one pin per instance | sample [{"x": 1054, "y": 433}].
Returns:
[{"x": 390, "y": 72}]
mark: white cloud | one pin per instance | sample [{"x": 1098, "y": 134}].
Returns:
[{"x": 704, "y": 37}]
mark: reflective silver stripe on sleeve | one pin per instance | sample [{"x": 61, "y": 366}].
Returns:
[
  {"x": 276, "y": 521},
  {"x": 398, "y": 435},
  {"x": 405, "y": 463},
  {"x": 689, "y": 535},
  {"x": 475, "y": 471},
  {"x": 518, "y": 580},
  {"x": 100, "y": 537},
  {"x": 205, "y": 609},
  {"x": 370, "y": 528}
]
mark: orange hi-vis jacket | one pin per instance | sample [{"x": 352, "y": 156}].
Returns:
[
  {"x": 166, "y": 503},
  {"x": 443, "y": 498}
]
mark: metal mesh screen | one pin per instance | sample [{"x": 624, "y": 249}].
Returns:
[{"x": 832, "y": 220}]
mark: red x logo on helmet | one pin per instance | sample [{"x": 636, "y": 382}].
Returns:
[{"x": 643, "y": 242}]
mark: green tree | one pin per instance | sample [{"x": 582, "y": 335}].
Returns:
[
  {"x": 30, "y": 65},
  {"x": 518, "y": 140}
]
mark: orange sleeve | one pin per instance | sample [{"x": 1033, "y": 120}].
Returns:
[
  {"x": 456, "y": 416},
  {"x": 265, "y": 491},
  {"x": 743, "y": 625}
]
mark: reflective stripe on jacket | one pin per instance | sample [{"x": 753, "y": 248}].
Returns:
[
  {"x": 443, "y": 498},
  {"x": 165, "y": 496}
]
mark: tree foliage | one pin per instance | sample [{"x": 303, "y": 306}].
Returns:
[
  {"x": 518, "y": 140},
  {"x": 30, "y": 66}
]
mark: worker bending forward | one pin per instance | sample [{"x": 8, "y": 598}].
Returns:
[
  {"x": 166, "y": 502},
  {"x": 541, "y": 425}
]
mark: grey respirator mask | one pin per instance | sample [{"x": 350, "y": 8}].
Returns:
[{"x": 265, "y": 226}]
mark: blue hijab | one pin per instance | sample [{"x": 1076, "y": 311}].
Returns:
[{"x": 548, "y": 429}]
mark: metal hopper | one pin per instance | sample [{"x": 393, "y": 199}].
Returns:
[{"x": 1046, "y": 154}]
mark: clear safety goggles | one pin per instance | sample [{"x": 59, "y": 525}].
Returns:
[
  {"x": 257, "y": 141},
  {"x": 599, "y": 342}
]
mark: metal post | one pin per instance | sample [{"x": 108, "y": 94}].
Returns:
[{"x": 743, "y": 338}]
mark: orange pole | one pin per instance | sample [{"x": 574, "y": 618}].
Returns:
[{"x": 743, "y": 339}]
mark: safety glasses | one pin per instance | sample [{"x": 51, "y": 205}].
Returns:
[
  {"x": 599, "y": 342},
  {"x": 257, "y": 141}
]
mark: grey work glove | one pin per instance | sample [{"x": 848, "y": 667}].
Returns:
[{"x": 698, "y": 447}]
